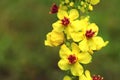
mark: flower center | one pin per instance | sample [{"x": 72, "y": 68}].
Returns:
[
  {"x": 89, "y": 33},
  {"x": 53, "y": 9},
  {"x": 97, "y": 77},
  {"x": 65, "y": 21},
  {"x": 72, "y": 59}
]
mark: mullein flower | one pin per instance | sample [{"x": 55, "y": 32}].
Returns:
[
  {"x": 71, "y": 59},
  {"x": 86, "y": 76},
  {"x": 77, "y": 37},
  {"x": 65, "y": 20},
  {"x": 54, "y": 9},
  {"x": 94, "y": 2},
  {"x": 78, "y": 28},
  {"x": 91, "y": 41},
  {"x": 54, "y": 38}
]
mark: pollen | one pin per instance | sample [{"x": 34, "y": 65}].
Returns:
[
  {"x": 65, "y": 21},
  {"x": 72, "y": 59},
  {"x": 97, "y": 77},
  {"x": 89, "y": 33}
]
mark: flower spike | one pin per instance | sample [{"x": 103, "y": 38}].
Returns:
[{"x": 77, "y": 37}]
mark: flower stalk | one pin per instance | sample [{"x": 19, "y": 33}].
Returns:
[{"x": 77, "y": 37}]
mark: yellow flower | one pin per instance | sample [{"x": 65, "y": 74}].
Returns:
[
  {"x": 71, "y": 59},
  {"x": 85, "y": 76},
  {"x": 65, "y": 20},
  {"x": 67, "y": 78},
  {"x": 91, "y": 41},
  {"x": 54, "y": 38},
  {"x": 94, "y": 2},
  {"x": 78, "y": 27}
]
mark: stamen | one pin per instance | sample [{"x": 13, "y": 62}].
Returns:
[
  {"x": 65, "y": 21},
  {"x": 72, "y": 59},
  {"x": 89, "y": 33},
  {"x": 97, "y": 77}
]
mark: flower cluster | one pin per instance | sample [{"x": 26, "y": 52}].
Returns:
[{"x": 77, "y": 37}]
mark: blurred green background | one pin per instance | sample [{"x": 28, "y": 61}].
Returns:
[{"x": 23, "y": 28}]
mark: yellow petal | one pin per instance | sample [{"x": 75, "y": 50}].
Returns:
[
  {"x": 76, "y": 69},
  {"x": 87, "y": 73},
  {"x": 77, "y": 36},
  {"x": 91, "y": 44},
  {"x": 84, "y": 22},
  {"x": 87, "y": 76},
  {"x": 84, "y": 58},
  {"x": 63, "y": 64},
  {"x": 78, "y": 25},
  {"x": 61, "y": 14},
  {"x": 75, "y": 48},
  {"x": 57, "y": 26},
  {"x": 54, "y": 38},
  {"x": 82, "y": 77},
  {"x": 73, "y": 14},
  {"x": 83, "y": 45},
  {"x": 99, "y": 42},
  {"x": 47, "y": 43},
  {"x": 68, "y": 31},
  {"x": 64, "y": 51},
  {"x": 94, "y": 2}
]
